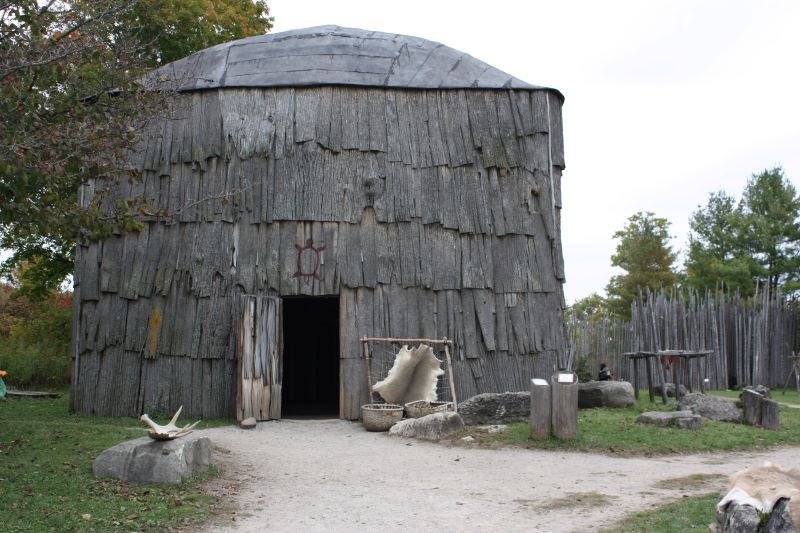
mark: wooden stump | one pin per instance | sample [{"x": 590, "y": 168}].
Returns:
[
  {"x": 760, "y": 411},
  {"x": 540, "y": 409},
  {"x": 564, "y": 405},
  {"x": 751, "y": 408},
  {"x": 770, "y": 414}
]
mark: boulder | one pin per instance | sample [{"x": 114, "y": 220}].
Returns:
[
  {"x": 677, "y": 419},
  {"x": 248, "y": 423},
  {"x": 605, "y": 394},
  {"x": 146, "y": 460},
  {"x": 430, "y": 427},
  {"x": 711, "y": 407},
  {"x": 496, "y": 408},
  {"x": 670, "y": 390}
]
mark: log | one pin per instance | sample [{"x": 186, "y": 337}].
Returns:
[
  {"x": 540, "y": 409},
  {"x": 565, "y": 405}
]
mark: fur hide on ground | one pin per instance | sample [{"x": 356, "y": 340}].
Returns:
[
  {"x": 412, "y": 377},
  {"x": 762, "y": 487}
]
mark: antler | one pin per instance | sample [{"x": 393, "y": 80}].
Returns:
[{"x": 169, "y": 431}]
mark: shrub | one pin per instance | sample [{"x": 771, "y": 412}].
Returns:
[{"x": 35, "y": 341}]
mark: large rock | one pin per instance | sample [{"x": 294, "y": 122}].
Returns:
[
  {"x": 711, "y": 407},
  {"x": 605, "y": 394},
  {"x": 677, "y": 419},
  {"x": 496, "y": 408},
  {"x": 146, "y": 460},
  {"x": 430, "y": 427}
]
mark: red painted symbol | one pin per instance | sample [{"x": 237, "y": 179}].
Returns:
[{"x": 308, "y": 261}]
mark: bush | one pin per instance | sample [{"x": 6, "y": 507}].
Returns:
[
  {"x": 582, "y": 369},
  {"x": 35, "y": 344}
]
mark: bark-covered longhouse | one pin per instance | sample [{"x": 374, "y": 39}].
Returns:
[{"x": 414, "y": 187}]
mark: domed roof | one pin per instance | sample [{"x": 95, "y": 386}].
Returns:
[{"x": 331, "y": 55}]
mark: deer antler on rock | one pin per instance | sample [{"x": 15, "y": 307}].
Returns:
[{"x": 170, "y": 431}]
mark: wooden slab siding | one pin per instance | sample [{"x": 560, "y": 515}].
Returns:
[{"x": 439, "y": 213}]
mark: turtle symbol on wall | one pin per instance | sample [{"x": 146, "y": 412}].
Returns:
[{"x": 308, "y": 260}]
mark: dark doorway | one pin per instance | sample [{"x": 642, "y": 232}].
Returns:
[{"x": 310, "y": 357}]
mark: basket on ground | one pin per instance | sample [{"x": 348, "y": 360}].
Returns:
[
  {"x": 380, "y": 416},
  {"x": 422, "y": 408}
]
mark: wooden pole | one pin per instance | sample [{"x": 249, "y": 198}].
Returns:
[
  {"x": 540, "y": 409},
  {"x": 564, "y": 408},
  {"x": 450, "y": 374},
  {"x": 647, "y": 367},
  {"x": 367, "y": 364}
]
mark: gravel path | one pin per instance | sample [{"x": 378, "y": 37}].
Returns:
[{"x": 331, "y": 475}]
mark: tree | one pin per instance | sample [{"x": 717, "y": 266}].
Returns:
[
  {"x": 755, "y": 242},
  {"x": 771, "y": 213},
  {"x": 716, "y": 255},
  {"x": 71, "y": 108},
  {"x": 591, "y": 308},
  {"x": 644, "y": 253}
]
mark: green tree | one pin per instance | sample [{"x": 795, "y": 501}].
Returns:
[
  {"x": 644, "y": 253},
  {"x": 591, "y": 308},
  {"x": 771, "y": 213},
  {"x": 753, "y": 242},
  {"x": 716, "y": 256},
  {"x": 71, "y": 108}
]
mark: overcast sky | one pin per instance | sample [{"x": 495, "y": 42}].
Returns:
[{"x": 666, "y": 101}]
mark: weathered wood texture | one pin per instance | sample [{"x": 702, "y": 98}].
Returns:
[
  {"x": 438, "y": 210},
  {"x": 751, "y": 339},
  {"x": 564, "y": 408},
  {"x": 540, "y": 419},
  {"x": 332, "y": 55}
]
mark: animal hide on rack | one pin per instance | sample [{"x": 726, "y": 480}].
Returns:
[{"x": 412, "y": 377}]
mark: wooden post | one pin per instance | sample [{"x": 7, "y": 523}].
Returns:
[
  {"x": 564, "y": 407},
  {"x": 368, "y": 366},
  {"x": 450, "y": 375},
  {"x": 647, "y": 367},
  {"x": 540, "y": 409},
  {"x": 665, "y": 377},
  {"x": 635, "y": 361}
]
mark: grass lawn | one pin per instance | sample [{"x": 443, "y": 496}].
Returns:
[
  {"x": 791, "y": 395},
  {"x": 615, "y": 431},
  {"x": 46, "y": 480},
  {"x": 686, "y": 515}
]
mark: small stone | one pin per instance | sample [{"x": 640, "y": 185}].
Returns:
[
  {"x": 468, "y": 439},
  {"x": 248, "y": 423},
  {"x": 494, "y": 429}
]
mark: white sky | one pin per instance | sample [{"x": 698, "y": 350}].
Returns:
[{"x": 666, "y": 100}]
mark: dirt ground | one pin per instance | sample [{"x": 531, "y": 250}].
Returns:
[{"x": 332, "y": 475}]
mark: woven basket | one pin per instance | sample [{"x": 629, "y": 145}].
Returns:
[
  {"x": 380, "y": 416},
  {"x": 422, "y": 408}
]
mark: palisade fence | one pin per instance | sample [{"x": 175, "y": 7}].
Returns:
[{"x": 751, "y": 338}]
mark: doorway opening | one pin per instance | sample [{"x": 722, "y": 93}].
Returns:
[{"x": 310, "y": 356}]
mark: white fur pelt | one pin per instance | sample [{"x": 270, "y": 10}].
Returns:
[
  {"x": 412, "y": 377},
  {"x": 762, "y": 487}
]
